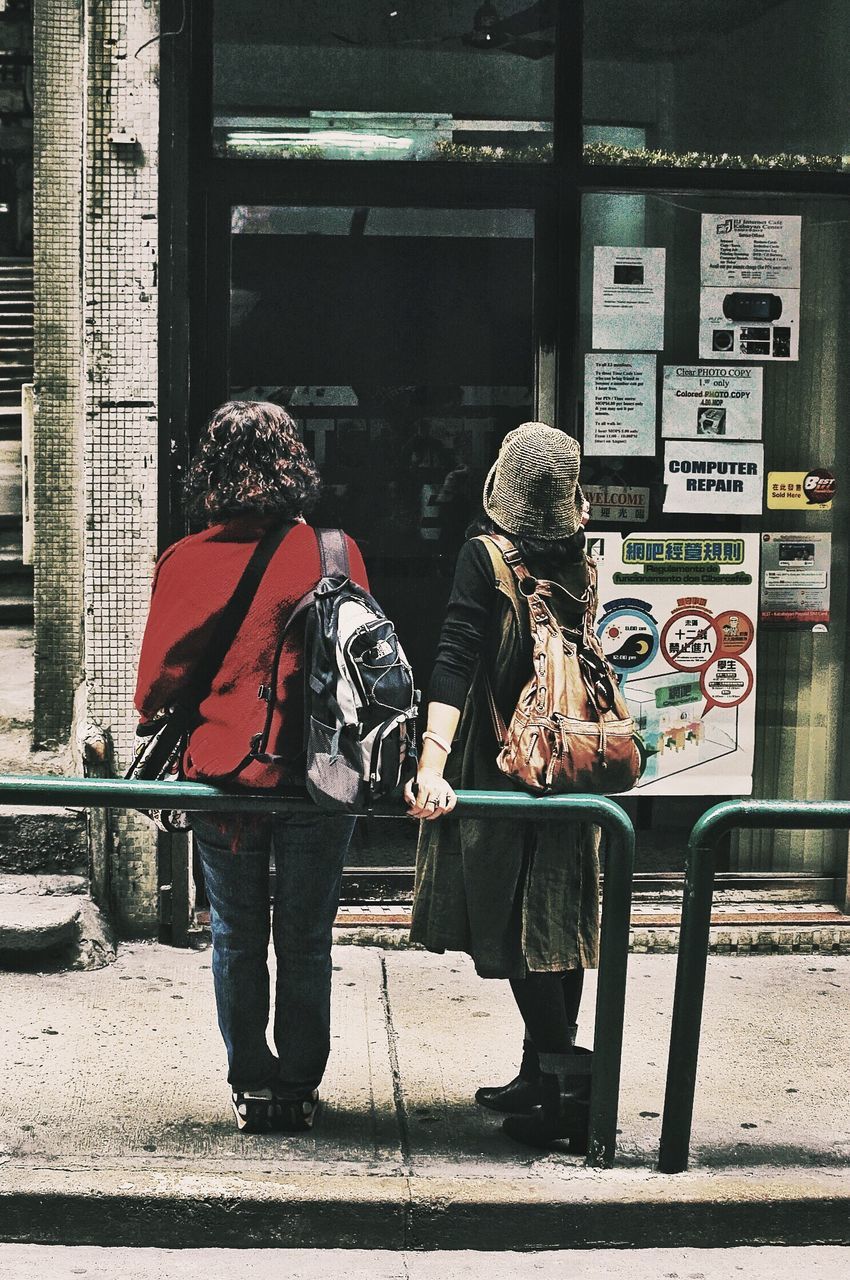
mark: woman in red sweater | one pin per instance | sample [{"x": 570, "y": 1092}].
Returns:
[{"x": 251, "y": 472}]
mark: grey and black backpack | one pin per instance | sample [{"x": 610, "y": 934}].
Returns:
[{"x": 360, "y": 700}]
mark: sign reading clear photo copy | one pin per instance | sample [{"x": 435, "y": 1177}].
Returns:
[
  {"x": 717, "y": 478},
  {"x": 704, "y": 401}
]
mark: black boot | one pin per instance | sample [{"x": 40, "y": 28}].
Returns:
[
  {"x": 565, "y": 1108},
  {"x": 522, "y": 1094}
]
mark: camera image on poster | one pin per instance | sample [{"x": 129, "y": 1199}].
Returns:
[{"x": 677, "y": 617}]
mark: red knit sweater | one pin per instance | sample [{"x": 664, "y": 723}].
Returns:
[{"x": 193, "y": 581}]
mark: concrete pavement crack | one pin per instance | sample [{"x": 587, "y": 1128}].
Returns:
[{"x": 398, "y": 1092}]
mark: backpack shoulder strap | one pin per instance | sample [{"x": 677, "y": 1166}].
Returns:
[
  {"x": 231, "y": 619},
  {"x": 333, "y": 551},
  {"x": 530, "y": 588}
]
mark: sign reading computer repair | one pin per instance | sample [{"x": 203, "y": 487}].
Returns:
[
  {"x": 750, "y": 287},
  {"x": 677, "y": 622},
  {"x": 724, "y": 479}
]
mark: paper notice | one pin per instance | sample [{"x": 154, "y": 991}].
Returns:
[
  {"x": 711, "y": 400},
  {"x": 619, "y": 405},
  {"x": 718, "y": 478},
  {"x": 628, "y": 299}
]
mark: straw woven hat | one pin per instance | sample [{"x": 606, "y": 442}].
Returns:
[{"x": 532, "y": 487}]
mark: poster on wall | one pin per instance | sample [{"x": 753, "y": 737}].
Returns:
[
  {"x": 750, "y": 287},
  {"x": 724, "y": 479},
  {"x": 619, "y": 405},
  {"x": 712, "y": 401},
  {"x": 795, "y": 579},
  {"x": 627, "y": 503},
  {"x": 677, "y": 621},
  {"x": 801, "y": 490},
  {"x": 628, "y": 299}
]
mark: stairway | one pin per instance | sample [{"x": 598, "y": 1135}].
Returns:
[{"x": 16, "y": 368}]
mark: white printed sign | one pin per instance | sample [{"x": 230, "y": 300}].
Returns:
[
  {"x": 750, "y": 287},
  {"x": 710, "y": 400},
  {"x": 678, "y": 623},
  {"x": 716, "y": 478},
  {"x": 751, "y": 251},
  {"x": 628, "y": 298},
  {"x": 796, "y": 571},
  {"x": 619, "y": 405}
]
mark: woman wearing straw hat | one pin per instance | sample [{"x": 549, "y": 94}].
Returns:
[{"x": 520, "y": 898}]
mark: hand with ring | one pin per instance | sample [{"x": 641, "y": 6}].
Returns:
[{"x": 430, "y": 796}]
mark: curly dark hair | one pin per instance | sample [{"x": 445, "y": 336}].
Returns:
[
  {"x": 553, "y": 553},
  {"x": 250, "y": 461}
]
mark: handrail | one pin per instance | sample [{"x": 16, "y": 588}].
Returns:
[
  {"x": 109, "y": 793},
  {"x": 797, "y": 815}
]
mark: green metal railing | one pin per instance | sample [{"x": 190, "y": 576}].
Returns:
[
  {"x": 798, "y": 815},
  {"x": 116, "y": 793}
]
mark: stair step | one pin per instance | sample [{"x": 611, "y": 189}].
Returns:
[
  {"x": 35, "y": 922},
  {"x": 44, "y": 886},
  {"x": 15, "y": 612},
  {"x": 48, "y": 840},
  {"x": 15, "y": 578}
]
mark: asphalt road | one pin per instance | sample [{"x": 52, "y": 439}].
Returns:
[{"x": 41, "y": 1262}]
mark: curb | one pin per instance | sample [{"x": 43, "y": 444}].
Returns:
[{"x": 571, "y": 1208}]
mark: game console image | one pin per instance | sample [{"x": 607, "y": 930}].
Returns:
[
  {"x": 752, "y": 306},
  {"x": 667, "y": 710}
]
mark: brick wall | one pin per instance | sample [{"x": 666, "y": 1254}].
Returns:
[
  {"x": 59, "y": 369},
  {"x": 121, "y": 398},
  {"x": 96, "y": 307}
]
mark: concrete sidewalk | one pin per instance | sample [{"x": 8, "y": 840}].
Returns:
[{"x": 116, "y": 1127}]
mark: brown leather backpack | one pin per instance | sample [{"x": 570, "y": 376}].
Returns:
[{"x": 571, "y": 730}]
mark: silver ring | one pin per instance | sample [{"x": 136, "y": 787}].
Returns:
[{"x": 435, "y": 803}]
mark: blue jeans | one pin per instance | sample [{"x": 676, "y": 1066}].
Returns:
[{"x": 309, "y": 853}]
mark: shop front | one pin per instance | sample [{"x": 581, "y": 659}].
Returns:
[{"x": 417, "y": 225}]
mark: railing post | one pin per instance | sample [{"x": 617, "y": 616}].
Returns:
[
  {"x": 687, "y": 1001},
  {"x": 611, "y": 991},
  {"x": 797, "y": 815}
]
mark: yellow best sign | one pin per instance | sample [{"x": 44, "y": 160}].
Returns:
[{"x": 800, "y": 490}]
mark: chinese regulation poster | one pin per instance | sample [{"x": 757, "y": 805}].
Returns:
[{"x": 677, "y": 622}]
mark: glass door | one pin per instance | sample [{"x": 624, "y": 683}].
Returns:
[{"x": 403, "y": 340}]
